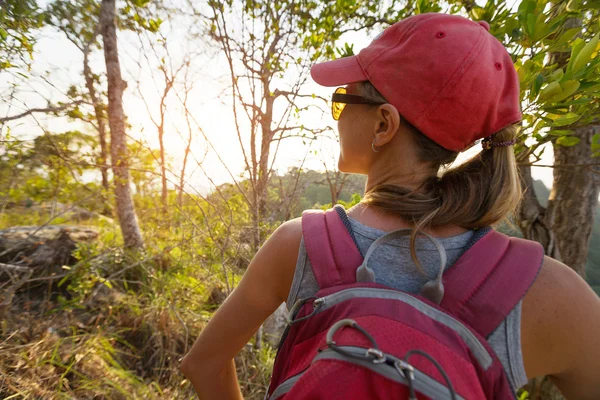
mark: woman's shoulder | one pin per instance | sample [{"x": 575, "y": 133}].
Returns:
[
  {"x": 560, "y": 326},
  {"x": 283, "y": 246},
  {"x": 289, "y": 232}
]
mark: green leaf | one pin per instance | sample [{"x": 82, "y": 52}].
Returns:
[
  {"x": 524, "y": 71},
  {"x": 524, "y": 395},
  {"x": 556, "y": 75},
  {"x": 568, "y": 88},
  {"x": 567, "y": 36},
  {"x": 578, "y": 44},
  {"x": 551, "y": 90},
  {"x": 585, "y": 54},
  {"x": 561, "y": 132},
  {"x": 567, "y": 141},
  {"x": 3, "y": 34},
  {"x": 590, "y": 87},
  {"x": 154, "y": 25},
  {"x": 566, "y": 119},
  {"x": 537, "y": 84},
  {"x": 596, "y": 138},
  {"x": 531, "y": 25},
  {"x": 541, "y": 28},
  {"x": 526, "y": 7}
]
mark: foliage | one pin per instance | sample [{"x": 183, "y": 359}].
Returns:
[
  {"x": 18, "y": 20},
  {"x": 555, "y": 48},
  {"x": 77, "y": 19},
  {"x": 49, "y": 167}
]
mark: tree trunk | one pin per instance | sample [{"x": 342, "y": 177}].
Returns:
[
  {"x": 186, "y": 154},
  {"x": 336, "y": 184},
  {"x": 161, "y": 133},
  {"x": 116, "y": 117},
  {"x": 534, "y": 221},
  {"x": 574, "y": 198},
  {"x": 98, "y": 112},
  {"x": 163, "y": 169},
  {"x": 182, "y": 177},
  {"x": 89, "y": 82},
  {"x": 542, "y": 388}
]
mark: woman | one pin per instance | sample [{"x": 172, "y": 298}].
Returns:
[{"x": 427, "y": 88}]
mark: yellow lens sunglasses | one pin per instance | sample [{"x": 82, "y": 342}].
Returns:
[{"x": 340, "y": 98}]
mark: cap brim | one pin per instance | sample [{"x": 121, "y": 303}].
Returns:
[{"x": 338, "y": 72}]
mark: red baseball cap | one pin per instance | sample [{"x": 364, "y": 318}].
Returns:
[{"x": 447, "y": 75}]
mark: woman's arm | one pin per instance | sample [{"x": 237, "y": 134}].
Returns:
[
  {"x": 561, "y": 331},
  {"x": 209, "y": 364}
]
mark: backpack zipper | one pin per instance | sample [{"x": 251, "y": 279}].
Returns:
[
  {"x": 480, "y": 353},
  {"x": 285, "y": 387},
  {"x": 422, "y": 382},
  {"x": 317, "y": 303}
]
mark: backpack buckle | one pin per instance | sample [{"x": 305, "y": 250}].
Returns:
[
  {"x": 373, "y": 354},
  {"x": 378, "y": 354},
  {"x": 405, "y": 369},
  {"x": 317, "y": 303}
]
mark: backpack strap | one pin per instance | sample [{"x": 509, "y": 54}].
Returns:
[
  {"x": 489, "y": 279},
  {"x": 331, "y": 249}
]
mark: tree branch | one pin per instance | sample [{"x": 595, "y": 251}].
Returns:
[{"x": 47, "y": 110}]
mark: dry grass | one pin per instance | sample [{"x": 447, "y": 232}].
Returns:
[
  {"x": 66, "y": 354},
  {"x": 119, "y": 345}
]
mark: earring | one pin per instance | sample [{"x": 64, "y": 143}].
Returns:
[{"x": 373, "y": 146}]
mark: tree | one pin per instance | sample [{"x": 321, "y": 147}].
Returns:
[
  {"x": 336, "y": 180},
  {"x": 278, "y": 40},
  {"x": 574, "y": 197},
  {"x": 188, "y": 85},
  {"x": 49, "y": 168},
  {"x": 132, "y": 236},
  {"x": 165, "y": 87},
  {"x": 79, "y": 22},
  {"x": 18, "y": 20}
]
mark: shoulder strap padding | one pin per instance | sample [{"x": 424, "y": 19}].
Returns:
[
  {"x": 330, "y": 248},
  {"x": 489, "y": 280}
]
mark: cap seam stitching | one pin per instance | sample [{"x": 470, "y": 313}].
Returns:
[
  {"x": 456, "y": 75},
  {"x": 378, "y": 55}
]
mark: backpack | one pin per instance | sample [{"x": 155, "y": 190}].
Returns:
[{"x": 357, "y": 339}]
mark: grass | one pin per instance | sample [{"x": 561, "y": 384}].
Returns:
[{"x": 103, "y": 333}]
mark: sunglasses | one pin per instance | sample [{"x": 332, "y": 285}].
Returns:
[{"x": 339, "y": 99}]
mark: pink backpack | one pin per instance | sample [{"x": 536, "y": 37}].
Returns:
[{"x": 357, "y": 339}]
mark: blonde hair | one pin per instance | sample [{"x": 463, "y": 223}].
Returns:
[{"x": 481, "y": 192}]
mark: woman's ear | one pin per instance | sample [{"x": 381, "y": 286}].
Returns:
[{"x": 387, "y": 122}]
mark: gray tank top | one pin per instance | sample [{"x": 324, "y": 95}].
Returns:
[{"x": 393, "y": 267}]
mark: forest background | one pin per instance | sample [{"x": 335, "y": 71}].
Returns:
[{"x": 148, "y": 148}]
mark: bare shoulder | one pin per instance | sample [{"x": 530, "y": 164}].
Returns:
[
  {"x": 282, "y": 251},
  {"x": 561, "y": 330},
  {"x": 289, "y": 231}
]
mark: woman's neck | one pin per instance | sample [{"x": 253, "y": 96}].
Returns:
[
  {"x": 397, "y": 166},
  {"x": 378, "y": 219},
  {"x": 410, "y": 180}
]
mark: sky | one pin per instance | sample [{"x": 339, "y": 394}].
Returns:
[{"x": 209, "y": 101}]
